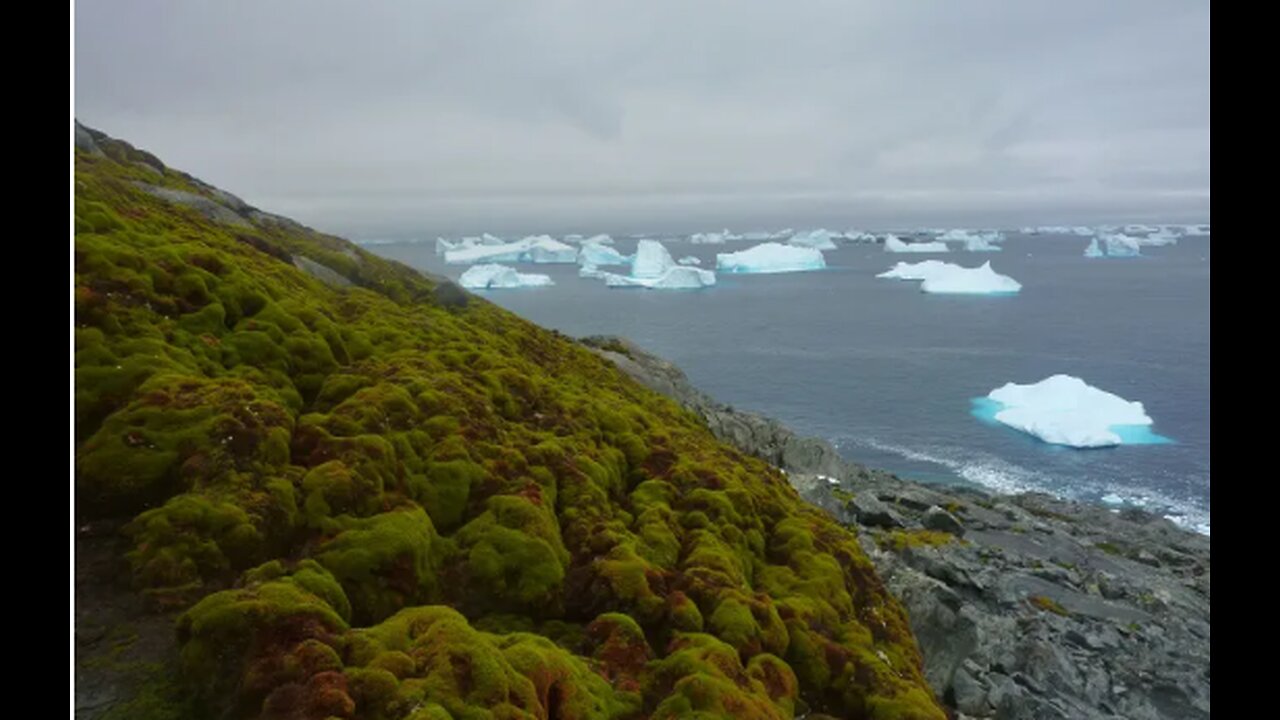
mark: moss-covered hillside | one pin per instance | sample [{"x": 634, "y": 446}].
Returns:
[{"x": 365, "y": 494}]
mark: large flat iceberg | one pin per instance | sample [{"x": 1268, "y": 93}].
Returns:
[
  {"x": 1064, "y": 410},
  {"x": 946, "y": 278},
  {"x": 487, "y": 277},
  {"x": 771, "y": 258},
  {"x": 893, "y": 244},
  {"x": 536, "y": 249}
]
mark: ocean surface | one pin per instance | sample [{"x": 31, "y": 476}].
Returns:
[{"x": 889, "y": 374}]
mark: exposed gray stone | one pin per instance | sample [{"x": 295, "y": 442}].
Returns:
[{"x": 935, "y": 518}]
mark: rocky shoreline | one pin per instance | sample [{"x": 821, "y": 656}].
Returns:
[{"x": 1024, "y": 606}]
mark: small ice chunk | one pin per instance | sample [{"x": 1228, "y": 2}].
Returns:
[
  {"x": 771, "y": 258},
  {"x": 598, "y": 240},
  {"x": 488, "y": 277},
  {"x": 707, "y": 238},
  {"x": 689, "y": 260}
]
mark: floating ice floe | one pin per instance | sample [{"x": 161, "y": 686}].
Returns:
[
  {"x": 757, "y": 235},
  {"x": 1195, "y": 230},
  {"x": 893, "y": 244},
  {"x": 947, "y": 278},
  {"x": 597, "y": 254},
  {"x": 601, "y": 239},
  {"x": 536, "y": 249},
  {"x": 816, "y": 239},
  {"x": 489, "y": 277},
  {"x": 1064, "y": 410},
  {"x": 689, "y": 260},
  {"x": 707, "y": 238},
  {"x": 771, "y": 257}
]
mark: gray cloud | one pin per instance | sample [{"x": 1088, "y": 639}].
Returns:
[{"x": 422, "y": 118}]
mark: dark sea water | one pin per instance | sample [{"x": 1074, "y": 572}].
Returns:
[{"x": 888, "y": 374}]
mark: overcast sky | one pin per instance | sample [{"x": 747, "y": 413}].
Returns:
[{"x": 409, "y": 118}]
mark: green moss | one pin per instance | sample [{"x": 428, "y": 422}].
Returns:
[
  {"x": 382, "y": 446},
  {"x": 900, "y": 540},
  {"x": 237, "y": 644},
  {"x": 385, "y": 562},
  {"x": 1048, "y": 605},
  {"x": 444, "y": 490}
]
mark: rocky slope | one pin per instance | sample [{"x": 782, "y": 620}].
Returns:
[
  {"x": 314, "y": 484},
  {"x": 1024, "y": 606}
]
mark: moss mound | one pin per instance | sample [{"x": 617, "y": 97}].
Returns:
[{"x": 379, "y": 500}]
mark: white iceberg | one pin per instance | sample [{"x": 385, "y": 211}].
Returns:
[
  {"x": 537, "y": 249},
  {"x": 1195, "y": 230},
  {"x": 487, "y": 277},
  {"x": 1092, "y": 250},
  {"x": 893, "y": 244},
  {"x": 859, "y": 236},
  {"x": 1158, "y": 239},
  {"x": 771, "y": 258},
  {"x": 468, "y": 254},
  {"x": 916, "y": 271},
  {"x": 816, "y": 239},
  {"x": 601, "y": 239},
  {"x": 974, "y": 241},
  {"x": 591, "y": 271},
  {"x": 597, "y": 254},
  {"x": 1119, "y": 245},
  {"x": 712, "y": 238},
  {"x": 947, "y": 278},
  {"x": 689, "y": 260},
  {"x": 956, "y": 280},
  {"x": 1135, "y": 229},
  {"x": 545, "y": 249},
  {"x": 651, "y": 260},
  {"x": 1064, "y": 410},
  {"x": 678, "y": 277}
]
